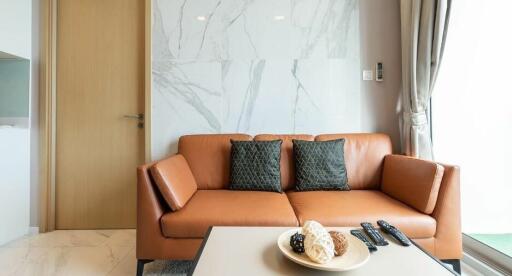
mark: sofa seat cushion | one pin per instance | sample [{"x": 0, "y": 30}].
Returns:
[
  {"x": 228, "y": 208},
  {"x": 350, "y": 208}
]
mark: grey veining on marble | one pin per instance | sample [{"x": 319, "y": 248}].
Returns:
[
  {"x": 251, "y": 94},
  {"x": 253, "y": 66}
]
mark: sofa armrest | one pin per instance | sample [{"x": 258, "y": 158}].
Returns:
[
  {"x": 448, "y": 236},
  {"x": 412, "y": 181},
  {"x": 174, "y": 180},
  {"x": 149, "y": 211}
]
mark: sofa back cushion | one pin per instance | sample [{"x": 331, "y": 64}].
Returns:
[
  {"x": 364, "y": 157},
  {"x": 287, "y": 160},
  {"x": 174, "y": 180},
  {"x": 412, "y": 181},
  {"x": 208, "y": 156}
]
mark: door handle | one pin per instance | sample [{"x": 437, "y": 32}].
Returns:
[
  {"x": 139, "y": 117},
  {"x": 136, "y": 116}
]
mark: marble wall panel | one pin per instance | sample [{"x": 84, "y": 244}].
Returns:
[{"x": 260, "y": 66}]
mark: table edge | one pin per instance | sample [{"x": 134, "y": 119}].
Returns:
[
  {"x": 433, "y": 257},
  {"x": 200, "y": 251}
]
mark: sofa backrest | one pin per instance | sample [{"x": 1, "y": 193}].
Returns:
[
  {"x": 209, "y": 157},
  {"x": 364, "y": 157},
  {"x": 287, "y": 160}
]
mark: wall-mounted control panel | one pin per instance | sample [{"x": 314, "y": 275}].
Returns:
[{"x": 379, "y": 72}]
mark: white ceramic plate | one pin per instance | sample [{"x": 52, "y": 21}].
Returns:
[{"x": 357, "y": 254}]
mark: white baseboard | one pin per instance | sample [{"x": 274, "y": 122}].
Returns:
[{"x": 33, "y": 230}]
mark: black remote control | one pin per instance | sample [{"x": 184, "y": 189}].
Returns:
[
  {"x": 393, "y": 231},
  {"x": 359, "y": 234},
  {"x": 377, "y": 238}
]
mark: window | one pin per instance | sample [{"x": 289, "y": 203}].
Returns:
[{"x": 472, "y": 116}]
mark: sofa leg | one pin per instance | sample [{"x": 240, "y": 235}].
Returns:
[
  {"x": 455, "y": 263},
  {"x": 140, "y": 266}
]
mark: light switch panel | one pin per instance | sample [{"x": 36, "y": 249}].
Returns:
[{"x": 367, "y": 75}]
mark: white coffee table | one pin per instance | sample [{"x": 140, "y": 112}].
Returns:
[{"x": 254, "y": 251}]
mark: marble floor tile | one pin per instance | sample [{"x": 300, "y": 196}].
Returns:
[
  {"x": 87, "y": 252},
  {"x": 123, "y": 238},
  {"x": 65, "y": 238},
  {"x": 12, "y": 259},
  {"x": 73, "y": 252},
  {"x": 127, "y": 266}
]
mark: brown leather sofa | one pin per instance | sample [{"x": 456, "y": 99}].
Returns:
[{"x": 181, "y": 196}]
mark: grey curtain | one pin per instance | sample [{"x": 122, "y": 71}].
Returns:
[{"x": 424, "y": 25}]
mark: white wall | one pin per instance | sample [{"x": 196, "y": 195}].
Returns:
[
  {"x": 34, "y": 118},
  {"x": 15, "y": 27},
  {"x": 240, "y": 70},
  {"x": 14, "y": 183},
  {"x": 380, "y": 41},
  {"x": 15, "y": 39}
]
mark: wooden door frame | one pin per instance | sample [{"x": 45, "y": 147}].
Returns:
[{"x": 48, "y": 106}]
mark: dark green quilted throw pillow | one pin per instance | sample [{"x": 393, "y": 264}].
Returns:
[
  {"x": 320, "y": 165},
  {"x": 255, "y": 165}
]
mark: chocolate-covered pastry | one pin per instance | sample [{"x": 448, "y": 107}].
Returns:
[{"x": 340, "y": 242}]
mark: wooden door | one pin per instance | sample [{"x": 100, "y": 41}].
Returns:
[{"x": 100, "y": 79}]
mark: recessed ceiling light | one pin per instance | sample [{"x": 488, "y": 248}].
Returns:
[
  {"x": 279, "y": 17},
  {"x": 201, "y": 18}
]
